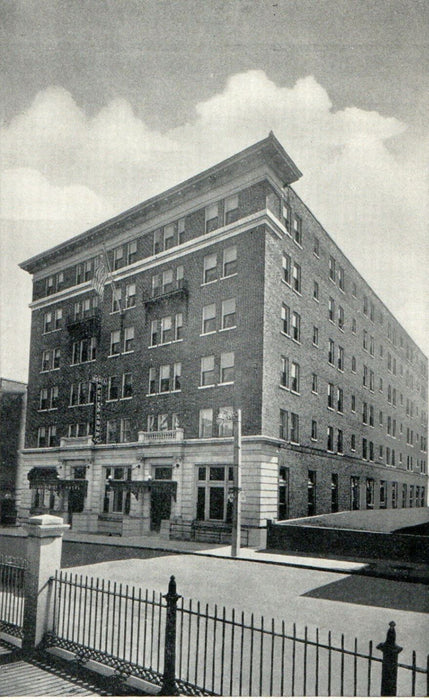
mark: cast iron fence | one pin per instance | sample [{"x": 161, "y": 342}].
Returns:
[
  {"x": 196, "y": 649},
  {"x": 12, "y": 597}
]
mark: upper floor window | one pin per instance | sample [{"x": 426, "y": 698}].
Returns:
[
  {"x": 212, "y": 217},
  {"x": 53, "y": 283},
  {"x": 285, "y": 319},
  {"x": 51, "y": 359},
  {"x": 228, "y": 313},
  {"x": 341, "y": 318},
  {"x": 340, "y": 360},
  {"x": 297, "y": 229},
  {"x": 365, "y": 305},
  {"x": 286, "y": 216},
  {"x": 128, "y": 339},
  {"x": 118, "y": 257},
  {"x": 181, "y": 230},
  {"x": 116, "y": 298},
  {"x": 227, "y": 367},
  {"x": 206, "y": 423},
  {"x": 169, "y": 236},
  {"x": 284, "y": 372},
  {"x": 84, "y": 271},
  {"x": 115, "y": 342},
  {"x": 332, "y": 268},
  {"x": 207, "y": 371},
  {"x": 331, "y": 309},
  {"x": 294, "y": 377},
  {"x": 296, "y": 277},
  {"x": 286, "y": 264},
  {"x": 130, "y": 296},
  {"x": 210, "y": 268},
  {"x": 47, "y": 436},
  {"x": 131, "y": 252},
  {"x": 341, "y": 282},
  {"x": 84, "y": 350},
  {"x": 230, "y": 261},
  {"x": 316, "y": 247},
  {"x": 296, "y": 326},
  {"x": 331, "y": 351},
  {"x": 316, "y": 291},
  {"x": 231, "y": 209},
  {"x": 209, "y": 318},
  {"x": 157, "y": 241}
]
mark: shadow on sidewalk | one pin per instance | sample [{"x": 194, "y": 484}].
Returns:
[{"x": 377, "y": 592}]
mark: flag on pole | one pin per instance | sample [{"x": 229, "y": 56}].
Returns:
[{"x": 101, "y": 274}]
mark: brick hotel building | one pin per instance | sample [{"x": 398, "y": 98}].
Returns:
[{"x": 225, "y": 292}]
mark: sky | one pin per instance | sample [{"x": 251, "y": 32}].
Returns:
[{"x": 105, "y": 103}]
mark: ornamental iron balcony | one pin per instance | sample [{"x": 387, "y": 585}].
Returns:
[
  {"x": 86, "y": 326},
  {"x": 161, "y": 435},
  {"x": 177, "y": 288}
]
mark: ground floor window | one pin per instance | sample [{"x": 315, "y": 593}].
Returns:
[
  {"x": 404, "y": 495},
  {"x": 383, "y": 503},
  {"x": 395, "y": 494},
  {"x": 334, "y": 493},
  {"x": 117, "y": 499},
  {"x": 311, "y": 493},
  {"x": 370, "y": 494},
  {"x": 283, "y": 496},
  {"x": 214, "y": 484},
  {"x": 354, "y": 493}
]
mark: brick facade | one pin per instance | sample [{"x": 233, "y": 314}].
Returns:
[{"x": 244, "y": 207}]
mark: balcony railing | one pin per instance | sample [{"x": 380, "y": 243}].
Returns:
[
  {"x": 177, "y": 288},
  {"x": 86, "y": 326},
  {"x": 161, "y": 435}
]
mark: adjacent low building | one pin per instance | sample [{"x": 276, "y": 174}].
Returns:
[
  {"x": 223, "y": 292},
  {"x": 13, "y": 400}
]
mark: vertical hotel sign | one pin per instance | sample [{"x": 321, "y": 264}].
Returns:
[{"x": 99, "y": 383}]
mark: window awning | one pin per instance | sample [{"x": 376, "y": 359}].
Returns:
[{"x": 47, "y": 477}]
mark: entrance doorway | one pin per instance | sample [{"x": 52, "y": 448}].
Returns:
[{"x": 160, "y": 508}]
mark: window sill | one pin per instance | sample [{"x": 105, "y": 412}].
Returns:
[
  {"x": 85, "y": 362},
  {"x": 285, "y": 388},
  {"x": 296, "y": 393},
  {"x": 315, "y": 345},
  {"x": 127, "y": 308},
  {"x": 112, "y": 400},
  {"x": 314, "y": 439},
  {"x": 127, "y": 352},
  {"x": 51, "y": 369},
  {"x": 116, "y": 354},
  {"x": 340, "y": 370},
  {"x": 205, "y": 284},
  {"x": 208, "y": 333},
  {"x": 79, "y": 405},
  {"x": 299, "y": 294},
  {"x": 316, "y": 393},
  {"x": 331, "y": 408},
  {"x": 225, "y": 383},
  {"x": 206, "y": 386},
  {"x": 297, "y": 342},
  {"x": 161, "y": 345},
  {"x": 316, "y": 255},
  {"x": 54, "y": 330},
  {"x": 126, "y": 398},
  {"x": 164, "y": 393},
  {"x": 316, "y": 300},
  {"x": 230, "y": 328},
  {"x": 297, "y": 243},
  {"x": 227, "y": 277},
  {"x": 288, "y": 284}
]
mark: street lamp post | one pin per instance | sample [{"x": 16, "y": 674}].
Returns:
[{"x": 235, "y": 417}]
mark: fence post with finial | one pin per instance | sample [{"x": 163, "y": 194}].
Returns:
[
  {"x": 389, "y": 673},
  {"x": 169, "y": 675}
]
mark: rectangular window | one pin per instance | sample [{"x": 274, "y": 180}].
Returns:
[
  {"x": 231, "y": 209},
  {"x": 284, "y": 425},
  {"x": 157, "y": 241},
  {"x": 47, "y": 322},
  {"x": 330, "y": 395},
  {"x": 113, "y": 388},
  {"x": 154, "y": 332},
  {"x": 331, "y": 351},
  {"x": 314, "y": 430},
  {"x": 130, "y": 296},
  {"x": 206, "y": 423},
  {"x": 116, "y": 299},
  {"x": 364, "y": 448},
  {"x": 353, "y": 443},
  {"x": 210, "y": 268},
  {"x": 226, "y": 427},
  {"x": 150, "y": 423},
  {"x": 315, "y": 336},
  {"x": 227, "y": 367},
  {"x": 370, "y": 494},
  {"x": 209, "y": 318},
  {"x": 112, "y": 431},
  {"x": 341, "y": 278},
  {"x": 294, "y": 377},
  {"x": 50, "y": 285},
  {"x": 287, "y": 267},
  {"x": 115, "y": 342},
  {"x": 181, "y": 230},
  {"x": 383, "y": 503},
  {"x": 43, "y": 400},
  {"x": 207, "y": 371},
  {"x": 341, "y": 318},
  {"x": 56, "y": 358},
  {"x": 296, "y": 326},
  {"x": 354, "y": 492},
  {"x": 230, "y": 261},
  {"x": 53, "y": 397},
  {"x": 294, "y": 428},
  {"x": 340, "y": 400},
  {"x": 178, "y": 328},
  {"x": 118, "y": 257},
  {"x": 152, "y": 380},
  {"x": 166, "y": 329},
  {"x": 316, "y": 247},
  {"x": 127, "y": 385},
  {"x": 285, "y": 319},
  {"x": 177, "y": 376},
  {"x": 286, "y": 216},
  {"x": 332, "y": 268},
  {"x": 169, "y": 237},
  {"x": 129, "y": 339},
  {"x": 364, "y": 413},
  {"x": 125, "y": 430},
  {"x": 164, "y": 378},
  {"x": 131, "y": 252},
  {"x": 228, "y": 313},
  {"x": 316, "y": 291},
  {"x": 296, "y": 277},
  {"x": 311, "y": 493},
  {"x": 331, "y": 309},
  {"x": 314, "y": 383},
  {"x": 340, "y": 362},
  {"x": 297, "y": 229},
  {"x": 334, "y": 493},
  {"x": 212, "y": 217},
  {"x": 340, "y": 448}
]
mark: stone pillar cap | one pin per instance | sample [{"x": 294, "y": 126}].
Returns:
[{"x": 45, "y": 525}]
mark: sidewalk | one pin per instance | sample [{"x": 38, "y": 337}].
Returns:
[{"x": 396, "y": 570}]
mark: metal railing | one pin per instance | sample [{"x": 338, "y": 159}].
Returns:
[
  {"x": 12, "y": 595},
  {"x": 193, "y": 649}
]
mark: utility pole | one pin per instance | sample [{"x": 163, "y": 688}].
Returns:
[{"x": 235, "y": 418}]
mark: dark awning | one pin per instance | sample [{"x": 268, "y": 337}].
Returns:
[{"x": 47, "y": 477}]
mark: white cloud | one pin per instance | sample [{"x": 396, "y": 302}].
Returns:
[{"x": 68, "y": 167}]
